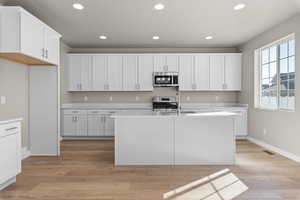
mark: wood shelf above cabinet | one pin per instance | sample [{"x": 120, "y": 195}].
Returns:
[{"x": 23, "y": 59}]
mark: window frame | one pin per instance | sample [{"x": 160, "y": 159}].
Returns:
[{"x": 258, "y": 74}]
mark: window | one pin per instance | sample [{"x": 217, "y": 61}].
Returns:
[{"x": 275, "y": 75}]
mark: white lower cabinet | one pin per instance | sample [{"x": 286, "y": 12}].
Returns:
[
  {"x": 241, "y": 124},
  {"x": 87, "y": 123},
  {"x": 10, "y": 148},
  {"x": 96, "y": 125},
  {"x": 75, "y": 123}
]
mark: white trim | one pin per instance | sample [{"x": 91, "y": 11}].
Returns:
[
  {"x": 8, "y": 183},
  {"x": 25, "y": 153},
  {"x": 275, "y": 149}
]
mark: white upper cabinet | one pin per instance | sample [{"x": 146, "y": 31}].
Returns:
[
  {"x": 217, "y": 72},
  {"x": 32, "y": 37},
  {"x": 145, "y": 72},
  {"x": 194, "y": 72},
  {"x": 130, "y": 68},
  {"x": 186, "y": 72},
  {"x": 80, "y": 72},
  {"x": 233, "y": 63},
  {"x": 26, "y": 39},
  {"x": 51, "y": 49},
  {"x": 164, "y": 62},
  {"x": 134, "y": 72},
  {"x": 99, "y": 73},
  {"x": 115, "y": 72},
  {"x": 201, "y": 72}
]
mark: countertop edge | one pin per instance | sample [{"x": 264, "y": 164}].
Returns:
[{"x": 10, "y": 120}]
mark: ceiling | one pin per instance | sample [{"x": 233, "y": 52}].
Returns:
[{"x": 183, "y": 23}]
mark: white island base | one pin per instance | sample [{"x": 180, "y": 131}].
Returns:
[{"x": 196, "y": 139}]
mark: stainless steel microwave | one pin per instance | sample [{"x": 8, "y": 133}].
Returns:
[{"x": 165, "y": 79}]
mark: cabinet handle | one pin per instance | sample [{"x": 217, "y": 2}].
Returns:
[
  {"x": 10, "y": 129},
  {"x": 137, "y": 86},
  {"x": 43, "y": 53},
  {"x": 47, "y": 53},
  {"x": 194, "y": 86},
  {"x": 224, "y": 86},
  {"x": 80, "y": 86}
]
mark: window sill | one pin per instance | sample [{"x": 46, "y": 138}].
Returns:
[{"x": 274, "y": 110}]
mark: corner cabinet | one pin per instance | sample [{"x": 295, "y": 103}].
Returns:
[
  {"x": 210, "y": 72},
  {"x": 26, "y": 39}
]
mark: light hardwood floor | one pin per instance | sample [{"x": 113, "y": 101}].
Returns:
[{"x": 85, "y": 171}]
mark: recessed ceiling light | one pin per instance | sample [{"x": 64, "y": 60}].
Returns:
[
  {"x": 78, "y": 6},
  {"x": 159, "y": 6},
  {"x": 240, "y": 6},
  {"x": 102, "y": 37},
  {"x": 155, "y": 37},
  {"x": 209, "y": 37}
]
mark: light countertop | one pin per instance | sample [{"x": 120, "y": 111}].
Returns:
[
  {"x": 131, "y": 114},
  {"x": 148, "y": 106},
  {"x": 6, "y": 120}
]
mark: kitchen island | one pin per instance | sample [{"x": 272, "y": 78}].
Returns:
[{"x": 152, "y": 138}]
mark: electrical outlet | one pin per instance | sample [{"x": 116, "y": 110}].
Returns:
[
  {"x": 86, "y": 98},
  {"x": 3, "y": 100},
  {"x": 265, "y": 131},
  {"x": 188, "y": 98},
  {"x": 110, "y": 98},
  {"x": 137, "y": 98},
  {"x": 217, "y": 98}
]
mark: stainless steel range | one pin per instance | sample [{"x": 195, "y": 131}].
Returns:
[{"x": 165, "y": 103}]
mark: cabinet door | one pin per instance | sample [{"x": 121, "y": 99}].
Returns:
[
  {"x": 186, "y": 76},
  {"x": 32, "y": 36},
  {"x": 145, "y": 72},
  {"x": 86, "y": 73},
  {"x": 216, "y": 72},
  {"x": 241, "y": 121},
  {"x": 69, "y": 125},
  {"x": 74, "y": 68},
  {"x": 109, "y": 126},
  {"x": 115, "y": 72},
  {"x": 201, "y": 72},
  {"x": 130, "y": 72},
  {"x": 9, "y": 159},
  {"x": 233, "y": 72},
  {"x": 172, "y": 63},
  {"x": 96, "y": 125},
  {"x": 51, "y": 46},
  {"x": 159, "y": 63},
  {"x": 80, "y": 72},
  {"x": 81, "y": 125},
  {"x": 99, "y": 72}
]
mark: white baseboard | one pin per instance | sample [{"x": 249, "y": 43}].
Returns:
[
  {"x": 275, "y": 149},
  {"x": 25, "y": 153}
]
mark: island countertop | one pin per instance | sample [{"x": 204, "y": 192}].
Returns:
[{"x": 130, "y": 114}]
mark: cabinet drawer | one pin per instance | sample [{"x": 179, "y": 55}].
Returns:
[
  {"x": 74, "y": 112},
  {"x": 8, "y": 129}
]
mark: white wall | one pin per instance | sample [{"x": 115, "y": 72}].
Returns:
[
  {"x": 14, "y": 85},
  {"x": 283, "y": 128}
]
